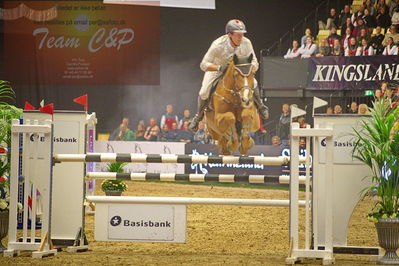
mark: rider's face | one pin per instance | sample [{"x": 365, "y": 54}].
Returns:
[{"x": 236, "y": 37}]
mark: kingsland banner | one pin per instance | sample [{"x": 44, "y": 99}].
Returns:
[{"x": 352, "y": 72}]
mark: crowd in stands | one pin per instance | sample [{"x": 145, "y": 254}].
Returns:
[
  {"x": 371, "y": 30},
  {"x": 173, "y": 129},
  {"x": 170, "y": 128}
]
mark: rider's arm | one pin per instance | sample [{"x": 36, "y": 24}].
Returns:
[
  {"x": 254, "y": 59},
  {"x": 207, "y": 62}
]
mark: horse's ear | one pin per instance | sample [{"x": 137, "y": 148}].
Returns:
[
  {"x": 251, "y": 56},
  {"x": 235, "y": 59}
]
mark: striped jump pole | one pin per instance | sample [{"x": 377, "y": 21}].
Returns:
[
  {"x": 225, "y": 178},
  {"x": 170, "y": 158},
  {"x": 190, "y": 201}
]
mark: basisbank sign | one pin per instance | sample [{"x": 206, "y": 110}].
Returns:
[{"x": 352, "y": 72}]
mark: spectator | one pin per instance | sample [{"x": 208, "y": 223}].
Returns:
[
  {"x": 346, "y": 38},
  {"x": 369, "y": 20},
  {"x": 345, "y": 14},
  {"x": 125, "y": 134},
  {"x": 260, "y": 134},
  {"x": 393, "y": 34},
  {"x": 369, "y": 6},
  {"x": 276, "y": 141},
  {"x": 332, "y": 20},
  {"x": 363, "y": 109},
  {"x": 308, "y": 33},
  {"x": 185, "y": 135},
  {"x": 309, "y": 49},
  {"x": 393, "y": 5},
  {"x": 363, "y": 35},
  {"x": 378, "y": 94},
  {"x": 186, "y": 117},
  {"x": 173, "y": 133},
  {"x": 337, "y": 109},
  {"x": 384, "y": 87},
  {"x": 169, "y": 118},
  {"x": 302, "y": 143},
  {"x": 330, "y": 111},
  {"x": 283, "y": 128},
  {"x": 352, "y": 47},
  {"x": 337, "y": 49},
  {"x": 383, "y": 18},
  {"x": 164, "y": 131},
  {"x": 390, "y": 48},
  {"x": 381, "y": 4},
  {"x": 140, "y": 131},
  {"x": 348, "y": 24},
  {"x": 152, "y": 132},
  {"x": 364, "y": 49},
  {"x": 353, "y": 108},
  {"x": 324, "y": 48},
  {"x": 358, "y": 28},
  {"x": 293, "y": 52},
  {"x": 302, "y": 122},
  {"x": 200, "y": 135},
  {"x": 116, "y": 132},
  {"x": 333, "y": 36},
  {"x": 358, "y": 15},
  {"x": 395, "y": 17},
  {"x": 376, "y": 41}
]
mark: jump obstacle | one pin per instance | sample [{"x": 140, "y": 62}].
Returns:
[
  {"x": 252, "y": 179},
  {"x": 41, "y": 153}
]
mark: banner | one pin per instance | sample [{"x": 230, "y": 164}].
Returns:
[
  {"x": 250, "y": 169},
  {"x": 352, "y": 72},
  {"x": 87, "y": 43}
]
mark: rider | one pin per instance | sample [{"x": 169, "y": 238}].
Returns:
[{"x": 215, "y": 63}]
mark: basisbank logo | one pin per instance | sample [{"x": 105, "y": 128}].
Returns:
[
  {"x": 339, "y": 143},
  {"x": 117, "y": 220}
]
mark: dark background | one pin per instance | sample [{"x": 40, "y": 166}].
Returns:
[{"x": 186, "y": 35}]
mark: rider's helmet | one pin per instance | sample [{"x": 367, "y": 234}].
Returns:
[{"x": 235, "y": 25}]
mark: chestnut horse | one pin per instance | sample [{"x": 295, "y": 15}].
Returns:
[{"x": 233, "y": 114}]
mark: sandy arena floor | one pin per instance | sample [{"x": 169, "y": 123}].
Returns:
[{"x": 217, "y": 235}]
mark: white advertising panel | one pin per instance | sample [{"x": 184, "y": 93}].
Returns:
[
  {"x": 140, "y": 222},
  {"x": 142, "y": 147}
]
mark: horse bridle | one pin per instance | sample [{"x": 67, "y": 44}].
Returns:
[{"x": 236, "y": 92}]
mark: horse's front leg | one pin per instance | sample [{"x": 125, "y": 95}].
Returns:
[
  {"x": 247, "y": 117},
  {"x": 225, "y": 123}
]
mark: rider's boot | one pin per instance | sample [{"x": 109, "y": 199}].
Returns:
[
  {"x": 193, "y": 125},
  {"x": 262, "y": 109}
]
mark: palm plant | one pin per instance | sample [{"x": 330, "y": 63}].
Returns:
[
  {"x": 377, "y": 145},
  {"x": 8, "y": 112},
  {"x": 114, "y": 185}
]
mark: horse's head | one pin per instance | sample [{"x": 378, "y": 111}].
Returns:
[{"x": 244, "y": 78}]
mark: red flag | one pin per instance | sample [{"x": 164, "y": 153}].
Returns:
[
  {"x": 28, "y": 106},
  {"x": 49, "y": 109},
  {"x": 82, "y": 100}
]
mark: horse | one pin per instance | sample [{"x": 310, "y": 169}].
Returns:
[{"x": 232, "y": 114}]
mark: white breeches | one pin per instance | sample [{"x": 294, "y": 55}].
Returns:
[{"x": 209, "y": 78}]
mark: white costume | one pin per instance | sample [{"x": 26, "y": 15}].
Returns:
[
  {"x": 307, "y": 50},
  {"x": 220, "y": 53},
  {"x": 364, "y": 51},
  {"x": 390, "y": 50},
  {"x": 292, "y": 53}
]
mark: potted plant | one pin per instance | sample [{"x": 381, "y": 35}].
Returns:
[
  {"x": 377, "y": 145},
  {"x": 113, "y": 187},
  {"x": 7, "y": 113}
]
